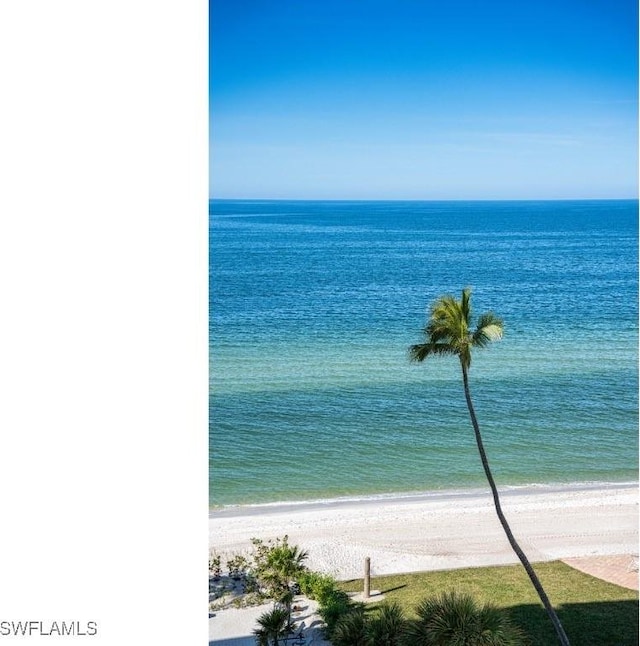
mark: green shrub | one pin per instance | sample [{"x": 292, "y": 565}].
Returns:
[
  {"x": 237, "y": 566},
  {"x": 306, "y": 582},
  {"x": 317, "y": 586},
  {"x": 454, "y": 618},
  {"x": 351, "y": 629},
  {"x": 334, "y": 607},
  {"x": 214, "y": 565},
  {"x": 333, "y": 603},
  {"x": 388, "y": 626}
]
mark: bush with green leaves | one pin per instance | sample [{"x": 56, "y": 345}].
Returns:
[
  {"x": 385, "y": 625},
  {"x": 388, "y": 626},
  {"x": 454, "y": 619},
  {"x": 334, "y": 606},
  {"x": 317, "y": 586},
  {"x": 237, "y": 566},
  {"x": 351, "y": 629},
  {"x": 214, "y": 565},
  {"x": 448, "y": 620}
]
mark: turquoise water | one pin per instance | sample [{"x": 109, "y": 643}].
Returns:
[{"x": 314, "y": 304}]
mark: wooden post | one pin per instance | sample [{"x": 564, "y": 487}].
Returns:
[{"x": 367, "y": 577}]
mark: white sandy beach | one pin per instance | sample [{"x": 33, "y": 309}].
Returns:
[{"x": 440, "y": 530}]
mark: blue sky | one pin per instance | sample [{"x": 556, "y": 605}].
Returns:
[{"x": 417, "y": 99}]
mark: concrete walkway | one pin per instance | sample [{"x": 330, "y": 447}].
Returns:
[
  {"x": 619, "y": 569},
  {"x": 234, "y": 626}
]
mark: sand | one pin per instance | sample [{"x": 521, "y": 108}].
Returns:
[{"x": 440, "y": 530}]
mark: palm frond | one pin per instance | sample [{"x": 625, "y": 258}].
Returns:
[
  {"x": 387, "y": 627},
  {"x": 490, "y": 328},
  {"x": 450, "y": 317},
  {"x": 465, "y": 303},
  {"x": 351, "y": 629},
  {"x": 445, "y": 311},
  {"x": 272, "y": 625},
  {"x": 437, "y": 332},
  {"x": 420, "y": 351},
  {"x": 456, "y": 618}
]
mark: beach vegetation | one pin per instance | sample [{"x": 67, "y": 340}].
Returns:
[
  {"x": 334, "y": 604},
  {"x": 333, "y": 607},
  {"x": 317, "y": 586},
  {"x": 237, "y": 566},
  {"x": 388, "y": 626},
  {"x": 449, "y": 332},
  {"x": 215, "y": 566},
  {"x": 384, "y": 625},
  {"x": 457, "y": 618},
  {"x": 351, "y": 629},
  {"x": 272, "y": 626},
  {"x": 277, "y": 564},
  {"x": 271, "y": 572},
  {"x": 448, "y": 619},
  {"x": 247, "y": 600}
]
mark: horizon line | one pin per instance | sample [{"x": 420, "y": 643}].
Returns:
[{"x": 471, "y": 199}]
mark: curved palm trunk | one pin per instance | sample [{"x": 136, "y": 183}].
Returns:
[{"x": 503, "y": 521}]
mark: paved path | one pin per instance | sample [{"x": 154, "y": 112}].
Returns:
[
  {"x": 619, "y": 569},
  {"x": 234, "y": 626}
]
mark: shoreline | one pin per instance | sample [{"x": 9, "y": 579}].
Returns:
[
  {"x": 242, "y": 509},
  {"x": 440, "y": 530}
]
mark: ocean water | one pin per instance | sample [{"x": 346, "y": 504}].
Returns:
[{"x": 313, "y": 306}]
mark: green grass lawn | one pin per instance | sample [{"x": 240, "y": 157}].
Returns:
[{"x": 593, "y": 612}]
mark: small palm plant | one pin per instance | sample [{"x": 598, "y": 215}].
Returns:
[
  {"x": 388, "y": 627},
  {"x": 351, "y": 630},
  {"x": 449, "y": 333},
  {"x": 272, "y": 626},
  {"x": 454, "y": 619},
  {"x": 333, "y": 607}
]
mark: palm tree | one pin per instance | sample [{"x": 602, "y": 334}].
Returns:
[
  {"x": 272, "y": 625},
  {"x": 454, "y": 618},
  {"x": 276, "y": 565},
  {"x": 284, "y": 563},
  {"x": 449, "y": 332}
]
